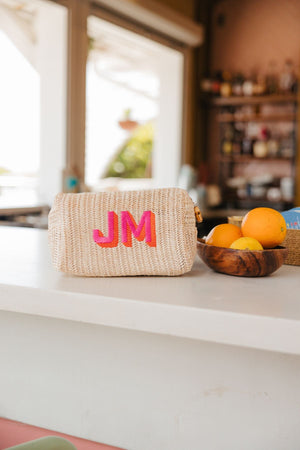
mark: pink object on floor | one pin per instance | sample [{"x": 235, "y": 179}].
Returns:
[{"x": 14, "y": 433}]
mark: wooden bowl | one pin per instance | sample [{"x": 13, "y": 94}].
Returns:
[{"x": 242, "y": 263}]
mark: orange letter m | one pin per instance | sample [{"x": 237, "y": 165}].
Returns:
[{"x": 144, "y": 230}]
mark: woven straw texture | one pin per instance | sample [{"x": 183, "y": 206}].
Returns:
[
  {"x": 73, "y": 218},
  {"x": 292, "y": 242}
]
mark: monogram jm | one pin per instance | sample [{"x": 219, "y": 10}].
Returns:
[{"x": 145, "y": 230}]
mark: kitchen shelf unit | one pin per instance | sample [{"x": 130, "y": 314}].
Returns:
[{"x": 271, "y": 110}]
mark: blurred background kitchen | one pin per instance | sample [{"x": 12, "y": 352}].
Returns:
[{"x": 123, "y": 94}]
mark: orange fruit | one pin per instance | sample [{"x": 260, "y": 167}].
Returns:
[
  {"x": 246, "y": 243},
  {"x": 266, "y": 225},
  {"x": 223, "y": 235}
]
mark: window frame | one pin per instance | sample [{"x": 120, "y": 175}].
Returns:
[{"x": 78, "y": 12}]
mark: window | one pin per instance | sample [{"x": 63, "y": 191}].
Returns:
[
  {"x": 33, "y": 100},
  {"x": 48, "y": 136},
  {"x": 133, "y": 119}
]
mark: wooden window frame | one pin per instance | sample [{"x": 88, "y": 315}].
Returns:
[{"x": 78, "y": 12}]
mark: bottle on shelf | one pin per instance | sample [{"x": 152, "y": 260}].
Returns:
[
  {"x": 237, "y": 84},
  {"x": 287, "y": 79},
  {"x": 225, "y": 86},
  {"x": 216, "y": 83},
  {"x": 273, "y": 146},
  {"x": 237, "y": 140},
  {"x": 259, "y": 85},
  {"x": 287, "y": 188},
  {"x": 287, "y": 146},
  {"x": 247, "y": 145},
  {"x": 206, "y": 85},
  {"x": 227, "y": 140},
  {"x": 248, "y": 86},
  {"x": 249, "y": 139},
  {"x": 272, "y": 78}
]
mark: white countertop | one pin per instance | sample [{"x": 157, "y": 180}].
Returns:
[{"x": 261, "y": 313}]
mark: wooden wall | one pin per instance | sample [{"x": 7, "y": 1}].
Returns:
[
  {"x": 245, "y": 36},
  {"x": 186, "y": 7},
  {"x": 254, "y": 33}
]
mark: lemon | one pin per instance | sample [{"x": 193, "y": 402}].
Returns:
[{"x": 246, "y": 243}]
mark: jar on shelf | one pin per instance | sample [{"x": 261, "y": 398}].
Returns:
[
  {"x": 260, "y": 147},
  {"x": 287, "y": 188},
  {"x": 274, "y": 194},
  {"x": 259, "y": 85},
  {"x": 287, "y": 146},
  {"x": 273, "y": 147},
  {"x": 248, "y": 87}
]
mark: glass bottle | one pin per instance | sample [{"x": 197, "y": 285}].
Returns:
[
  {"x": 287, "y": 146},
  {"x": 259, "y": 87},
  {"x": 287, "y": 77},
  {"x": 225, "y": 86},
  {"x": 216, "y": 83},
  {"x": 237, "y": 141},
  {"x": 248, "y": 87},
  {"x": 273, "y": 146},
  {"x": 272, "y": 78},
  {"x": 227, "y": 140},
  {"x": 237, "y": 84},
  {"x": 247, "y": 145}
]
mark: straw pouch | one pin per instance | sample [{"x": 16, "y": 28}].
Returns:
[{"x": 104, "y": 234}]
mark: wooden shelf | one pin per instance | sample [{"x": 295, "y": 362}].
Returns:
[
  {"x": 227, "y": 117},
  {"x": 255, "y": 100},
  {"x": 247, "y": 159},
  {"x": 253, "y": 202}
]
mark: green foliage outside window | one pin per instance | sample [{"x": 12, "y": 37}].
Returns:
[
  {"x": 133, "y": 160},
  {"x": 3, "y": 171}
]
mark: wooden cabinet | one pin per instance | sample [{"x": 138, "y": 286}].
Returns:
[{"x": 255, "y": 154}]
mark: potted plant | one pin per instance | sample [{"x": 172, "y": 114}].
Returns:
[{"x": 127, "y": 123}]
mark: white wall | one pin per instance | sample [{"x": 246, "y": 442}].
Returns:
[
  {"x": 142, "y": 391},
  {"x": 51, "y": 60}
]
